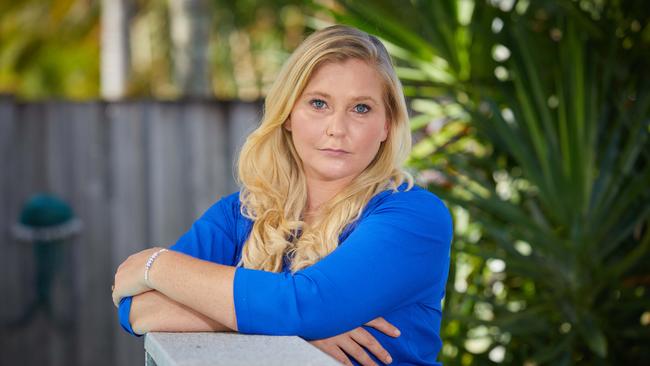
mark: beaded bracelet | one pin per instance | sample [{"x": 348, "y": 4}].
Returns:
[{"x": 150, "y": 261}]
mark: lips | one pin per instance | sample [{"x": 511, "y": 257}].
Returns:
[
  {"x": 339, "y": 151},
  {"x": 334, "y": 153}
]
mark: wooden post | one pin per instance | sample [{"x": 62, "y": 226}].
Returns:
[{"x": 115, "y": 51}]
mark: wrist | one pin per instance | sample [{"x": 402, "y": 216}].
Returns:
[{"x": 153, "y": 262}]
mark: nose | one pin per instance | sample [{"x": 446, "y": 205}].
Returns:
[{"x": 336, "y": 125}]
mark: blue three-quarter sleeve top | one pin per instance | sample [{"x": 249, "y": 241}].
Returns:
[{"x": 391, "y": 262}]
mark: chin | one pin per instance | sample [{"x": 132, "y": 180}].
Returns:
[{"x": 330, "y": 175}]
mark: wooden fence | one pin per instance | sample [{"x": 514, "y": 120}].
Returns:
[{"x": 137, "y": 174}]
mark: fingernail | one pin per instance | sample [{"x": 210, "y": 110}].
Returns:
[
  {"x": 397, "y": 332},
  {"x": 389, "y": 359}
]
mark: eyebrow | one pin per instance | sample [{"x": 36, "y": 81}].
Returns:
[{"x": 355, "y": 99}]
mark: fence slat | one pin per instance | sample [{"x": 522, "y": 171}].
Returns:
[
  {"x": 60, "y": 167},
  {"x": 243, "y": 118},
  {"x": 208, "y": 158},
  {"x": 168, "y": 203},
  {"x": 26, "y": 176},
  {"x": 128, "y": 214},
  {"x": 9, "y": 269},
  {"x": 93, "y": 249}
]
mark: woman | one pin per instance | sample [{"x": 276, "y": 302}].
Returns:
[{"x": 327, "y": 233}]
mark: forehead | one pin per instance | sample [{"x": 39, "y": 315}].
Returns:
[{"x": 347, "y": 79}]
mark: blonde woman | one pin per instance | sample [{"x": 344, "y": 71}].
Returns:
[{"x": 327, "y": 239}]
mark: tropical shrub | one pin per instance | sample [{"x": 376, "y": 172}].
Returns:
[{"x": 532, "y": 122}]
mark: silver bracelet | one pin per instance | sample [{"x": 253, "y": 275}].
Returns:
[{"x": 149, "y": 263}]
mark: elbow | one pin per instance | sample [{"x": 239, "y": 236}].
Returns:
[
  {"x": 320, "y": 317},
  {"x": 320, "y": 308},
  {"x": 322, "y": 327},
  {"x": 303, "y": 304},
  {"x": 137, "y": 318},
  {"x": 139, "y": 328},
  {"x": 126, "y": 316}
]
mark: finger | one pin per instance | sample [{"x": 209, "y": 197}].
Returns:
[
  {"x": 117, "y": 295},
  {"x": 329, "y": 347},
  {"x": 339, "y": 355},
  {"x": 352, "y": 348},
  {"x": 364, "y": 338},
  {"x": 116, "y": 300},
  {"x": 383, "y": 326}
]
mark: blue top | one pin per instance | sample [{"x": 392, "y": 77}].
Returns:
[{"x": 392, "y": 262}]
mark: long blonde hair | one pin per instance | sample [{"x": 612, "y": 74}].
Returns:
[{"x": 270, "y": 174}]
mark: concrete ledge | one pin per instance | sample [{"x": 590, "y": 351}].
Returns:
[{"x": 202, "y": 349}]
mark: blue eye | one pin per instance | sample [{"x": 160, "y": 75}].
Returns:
[
  {"x": 364, "y": 108},
  {"x": 317, "y": 103}
]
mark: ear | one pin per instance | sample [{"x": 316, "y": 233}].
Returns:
[
  {"x": 384, "y": 134},
  {"x": 287, "y": 124}
]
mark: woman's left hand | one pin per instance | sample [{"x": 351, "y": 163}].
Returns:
[{"x": 129, "y": 277}]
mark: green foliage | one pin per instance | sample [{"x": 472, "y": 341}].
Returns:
[
  {"x": 248, "y": 42},
  {"x": 533, "y": 123},
  {"x": 49, "y": 48}
]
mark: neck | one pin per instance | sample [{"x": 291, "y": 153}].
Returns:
[{"x": 321, "y": 191}]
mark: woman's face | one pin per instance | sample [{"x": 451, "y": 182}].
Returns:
[{"x": 339, "y": 121}]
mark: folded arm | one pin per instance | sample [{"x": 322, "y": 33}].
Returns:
[
  {"x": 395, "y": 255},
  {"x": 210, "y": 238},
  {"x": 154, "y": 312}
]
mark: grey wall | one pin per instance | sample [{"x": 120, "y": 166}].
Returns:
[{"x": 137, "y": 174}]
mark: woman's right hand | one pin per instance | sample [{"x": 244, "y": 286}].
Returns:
[{"x": 352, "y": 343}]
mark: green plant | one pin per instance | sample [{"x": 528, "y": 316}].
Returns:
[
  {"x": 533, "y": 123},
  {"x": 49, "y": 48}
]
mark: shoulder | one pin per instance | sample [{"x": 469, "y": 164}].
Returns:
[
  {"x": 227, "y": 207},
  {"x": 416, "y": 199},
  {"x": 412, "y": 207}
]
